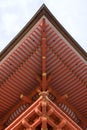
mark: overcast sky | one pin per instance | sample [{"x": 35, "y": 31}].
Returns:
[{"x": 14, "y": 14}]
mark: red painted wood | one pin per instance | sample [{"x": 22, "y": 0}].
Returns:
[
  {"x": 44, "y": 55},
  {"x": 18, "y": 73}
]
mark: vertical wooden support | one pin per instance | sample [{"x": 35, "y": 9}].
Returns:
[
  {"x": 44, "y": 55},
  {"x": 44, "y": 107},
  {"x": 44, "y": 123}
]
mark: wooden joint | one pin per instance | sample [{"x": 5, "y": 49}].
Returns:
[
  {"x": 44, "y": 93},
  {"x": 43, "y": 57},
  {"x": 21, "y": 96},
  {"x": 44, "y": 74}
]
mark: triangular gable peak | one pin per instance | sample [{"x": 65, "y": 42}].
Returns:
[
  {"x": 43, "y": 115},
  {"x": 43, "y": 11},
  {"x": 43, "y": 57}
]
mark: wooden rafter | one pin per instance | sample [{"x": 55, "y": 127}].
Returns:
[{"x": 44, "y": 81}]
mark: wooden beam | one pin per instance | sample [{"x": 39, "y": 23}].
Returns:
[
  {"x": 44, "y": 105},
  {"x": 50, "y": 122},
  {"x": 61, "y": 124},
  {"x": 50, "y": 112},
  {"x": 36, "y": 123},
  {"x": 44, "y": 74},
  {"x": 25, "y": 124},
  {"x": 38, "y": 112}
]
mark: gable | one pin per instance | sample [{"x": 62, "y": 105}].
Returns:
[{"x": 22, "y": 67}]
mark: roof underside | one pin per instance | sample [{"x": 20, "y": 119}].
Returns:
[{"x": 66, "y": 65}]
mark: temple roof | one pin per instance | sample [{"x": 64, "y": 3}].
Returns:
[
  {"x": 66, "y": 64},
  {"x": 43, "y": 11}
]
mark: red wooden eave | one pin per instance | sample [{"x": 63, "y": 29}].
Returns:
[{"x": 44, "y": 58}]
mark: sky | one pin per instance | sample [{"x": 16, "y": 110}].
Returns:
[{"x": 14, "y": 15}]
